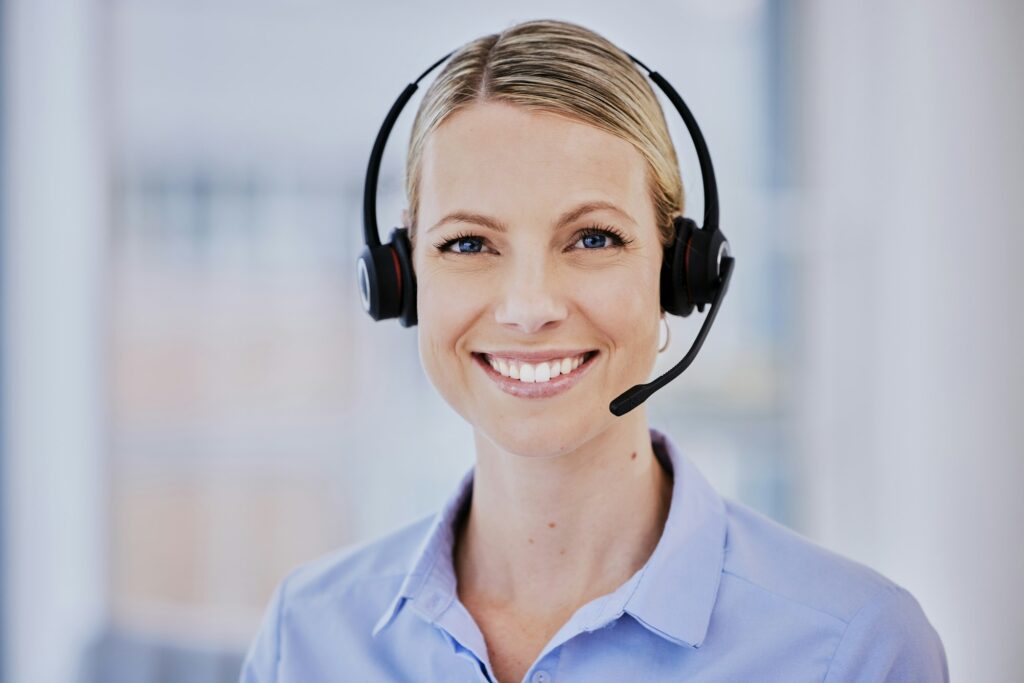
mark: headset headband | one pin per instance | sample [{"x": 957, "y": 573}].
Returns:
[{"x": 707, "y": 171}]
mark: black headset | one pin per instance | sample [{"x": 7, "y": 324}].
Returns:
[{"x": 695, "y": 270}]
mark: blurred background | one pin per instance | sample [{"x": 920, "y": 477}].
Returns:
[{"x": 192, "y": 401}]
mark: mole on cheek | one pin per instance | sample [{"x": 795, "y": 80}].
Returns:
[
  {"x": 551, "y": 525},
  {"x": 633, "y": 457}
]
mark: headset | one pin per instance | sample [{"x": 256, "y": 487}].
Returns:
[{"x": 696, "y": 266}]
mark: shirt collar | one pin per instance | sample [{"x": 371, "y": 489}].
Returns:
[
  {"x": 430, "y": 584},
  {"x": 686, "y": 564}
]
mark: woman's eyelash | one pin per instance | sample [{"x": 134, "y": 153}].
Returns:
[{"x": 618, "y": 239}]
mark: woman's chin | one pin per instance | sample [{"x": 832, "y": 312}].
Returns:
[{"x": 540, "y": 436}]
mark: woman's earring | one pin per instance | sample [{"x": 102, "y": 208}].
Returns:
[{"x": 668, "y": 333}]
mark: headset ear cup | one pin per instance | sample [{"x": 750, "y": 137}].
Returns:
[
  {"x": 407, "y": 275},
  {"x": 702, "y": 269},
  {"x": 675, "y": 298},
  {"x": 379, "y": 285}
]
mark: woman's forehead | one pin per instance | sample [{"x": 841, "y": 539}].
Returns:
[{"x": 502, "y": 156}]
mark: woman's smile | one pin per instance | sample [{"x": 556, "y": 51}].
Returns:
[{"x": 539, "y": 379}]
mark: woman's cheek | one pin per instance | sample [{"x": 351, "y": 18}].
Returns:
[
  {"x": 435, "y": 365},
  {"x": 625, "y": 307},
  {"x": 445, "y": 312},
  {"x": 623, "y": 302}
]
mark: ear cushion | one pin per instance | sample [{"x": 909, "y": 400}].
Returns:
[
  {"x": 406, "y": 275},
  {"x": 378, "y": 281},
  {"x": 675, "y": 298},
  {"x": 703, "y": 262}
]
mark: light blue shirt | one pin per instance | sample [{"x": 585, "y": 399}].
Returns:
[{"x": 727, "y": 595}]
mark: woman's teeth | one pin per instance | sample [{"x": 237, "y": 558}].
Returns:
[{"x": 535, "y": 372}]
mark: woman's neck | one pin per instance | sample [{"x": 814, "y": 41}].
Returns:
[{"x": 543, "y": 536}]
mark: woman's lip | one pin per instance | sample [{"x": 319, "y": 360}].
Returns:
[{"x": 552, "y": 387}]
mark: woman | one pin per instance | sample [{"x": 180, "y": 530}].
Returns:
[{"x": 542, "y": 187}]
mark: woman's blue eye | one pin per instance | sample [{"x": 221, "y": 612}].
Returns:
[
  {"x": 598, "y": 238},
  {"x": 461, "y": 244},
  {"x": 468, "y": 244}
]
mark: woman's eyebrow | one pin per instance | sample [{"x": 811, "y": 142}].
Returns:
[{"x": 498, "y": 226}]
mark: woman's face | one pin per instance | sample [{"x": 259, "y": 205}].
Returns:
[{"x": 510, "y": 270}]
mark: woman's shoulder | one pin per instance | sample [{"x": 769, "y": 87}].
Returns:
[
  {"x": 329, "y": 604},
  {"x": 794, "y": 579},
  {"x": 780, "y": 560},
  {"x": 382, "y": 559}
]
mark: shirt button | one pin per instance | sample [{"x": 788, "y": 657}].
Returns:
[{"x": 541, "y": 677}]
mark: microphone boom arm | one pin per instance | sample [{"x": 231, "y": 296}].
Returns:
[{"x": 639, "y": 393}]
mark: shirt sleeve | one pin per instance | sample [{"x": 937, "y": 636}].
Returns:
[
  {"x": 260, "y": 664},
  {"x": 889, "y": 639}
]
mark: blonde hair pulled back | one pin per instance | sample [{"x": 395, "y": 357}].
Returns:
[{"x": 557, "y": 67}]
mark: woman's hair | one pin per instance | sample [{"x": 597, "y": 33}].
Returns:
[{"x": 562, "y": 68}]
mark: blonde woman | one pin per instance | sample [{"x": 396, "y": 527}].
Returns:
[{"x": 583, "y": 546}]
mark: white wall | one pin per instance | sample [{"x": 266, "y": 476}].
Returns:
[
  {"x": 912, "y": 158},
  {"x": 51, "y": 282}
]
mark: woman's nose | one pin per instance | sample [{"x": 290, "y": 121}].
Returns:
[{"x": 530, "y": 297}]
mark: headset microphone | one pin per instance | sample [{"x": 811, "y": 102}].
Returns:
[{"x": 695, "y": 271}]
